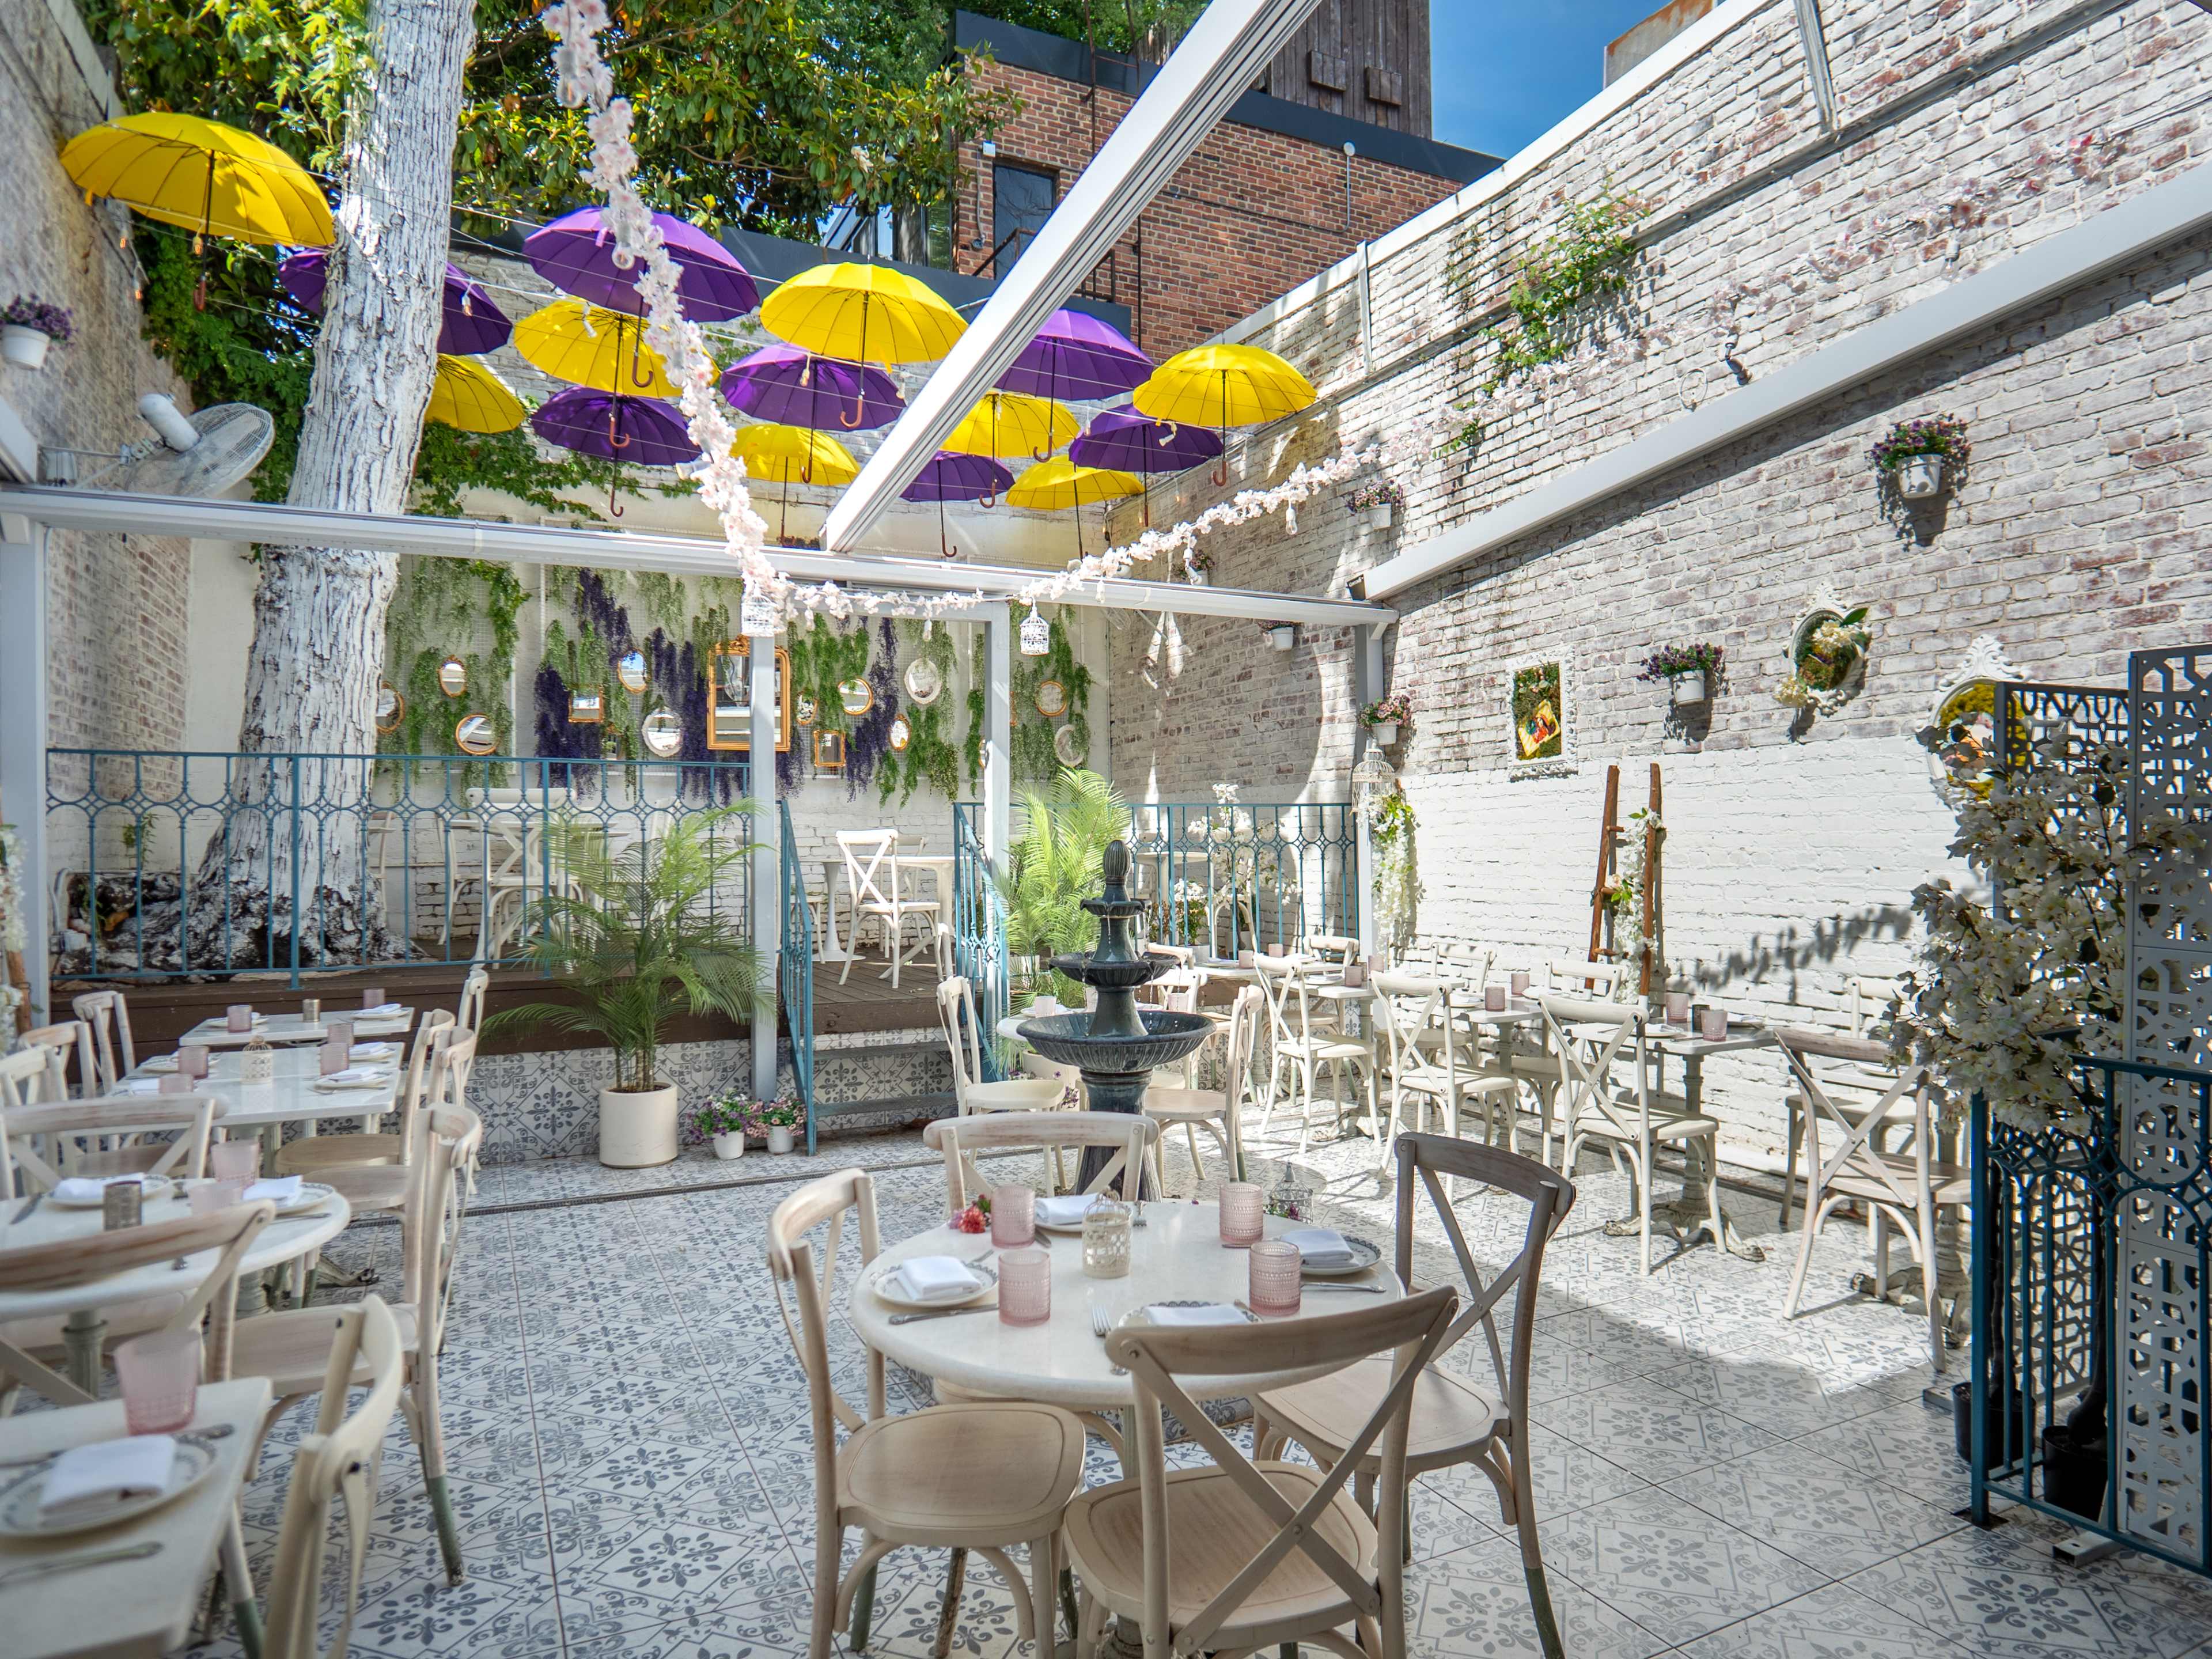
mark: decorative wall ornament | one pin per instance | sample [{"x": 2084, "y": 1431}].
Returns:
[
  {"x": 855, "y": 697},
  {"x": 829, "y": 752},
  {"x": 390, "y": 707},
  {"x": 1827, "y": 654},
  {"x": 729, "y": 703},
  {"x": 453, "y": 677},
  {"x": 1036, "y": 635},
  {"x": 1961, "y": 733},
  {"x": 902, "y": 734},
  {"x": 587, "y": 705},
  {"x": 1540, "y": 735},
  {"x": 630, "y": 671},
  {"x": 662, "y": 733},
  {"x": 1051, "y": 699},
  {"x": 1072, "y": 750},
  {"x": 474, "y": 734},
  {"x": 805, "y": 711},
  {"x": 924, "y": 681}
]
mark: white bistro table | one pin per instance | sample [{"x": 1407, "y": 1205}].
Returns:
[
  {"x": 139, "y": 1606},
  {"x": 1683, "y": 1043},
  {"x": 291, "y": 1095},
  {"x": 278, "y": 1029},
  {"x": 79, "y": 1306}
]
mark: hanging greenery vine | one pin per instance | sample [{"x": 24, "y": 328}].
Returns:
[
  {"x": 1035, "y": 759},
  {"x": 434, "y": 613},
  {"x": 979, "y": 680},
  {"x": 869, "y": 748},
  {"x": 930, "y": 756}
]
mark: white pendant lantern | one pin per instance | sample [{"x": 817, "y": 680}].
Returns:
[{"x": 1036, "y": 635}]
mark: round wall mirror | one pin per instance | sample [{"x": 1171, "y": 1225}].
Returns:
[
  {"x": 475, "y": 735},
  {"x": 855, "y": 696},
  {"x": 902, "y": 735},
  {"x": 391, "y": 707},
  {"x": 925, "y": 682},
  {"x": 453, "y": 676},
  {"x": 804, "y": 714},
  {"x": 1070, "y": 751},
  {"x": 630, "y": 671},
  {"x": 1051, "y": 699},
  {"x": 661, "y": 733}
]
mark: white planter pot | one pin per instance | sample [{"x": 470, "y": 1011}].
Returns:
[
  {"x": 1384, "y": 732},
  {"x": 1919, "y": 477},
  {"x": 24, "y": 347},
  {"x": 637, "y": 1127},
  {"x": 1379, "y": 518},
  {"x": 1688, "y": 687},
  {"x": 729, "y": 1143},
  {"x": 778, "y": 1140}
]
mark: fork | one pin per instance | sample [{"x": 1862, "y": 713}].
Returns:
[
  {"x": 98, "y": 1558},
  {"x": 1102, "y": 1327}
]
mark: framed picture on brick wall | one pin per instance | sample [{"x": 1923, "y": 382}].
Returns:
[{"x": 1538, "y": 737}]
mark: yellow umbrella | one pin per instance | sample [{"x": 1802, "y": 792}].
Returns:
[
  {"x": 584, "y": 345},
  {"x": 212, "y": 179},
  {"x": 1222, "y": 386},
  {"x": 792, "y": 455},
  {"x": 1059, "y": 483},
  {"x": 863, "y": 313},
  {"x": 468, "y": 395},
  {"x": 1008, "y": 423}
]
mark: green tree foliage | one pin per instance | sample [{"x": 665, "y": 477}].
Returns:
[{"x": 1058, "y": 862}]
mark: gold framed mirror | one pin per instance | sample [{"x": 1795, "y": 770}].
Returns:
[
  {"x": 662, "y": 733},
  {"x": 453, "y": 677},
  {"x": 829, "y": 752},
  {"x": 855, "y": 696},
  {"x": 475, "y": 734},
  {"x": 391, "y": 707},
  {"x": 729, "y": 698},
  {"x": 630, "y": 673},
  {"x": 587, "y": 706},
  {"x": 902, "y": 734},
  {"x": 1051, "y": 699}
]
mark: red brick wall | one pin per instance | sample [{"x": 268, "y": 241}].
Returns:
[{"x": 1249, "y": 215}]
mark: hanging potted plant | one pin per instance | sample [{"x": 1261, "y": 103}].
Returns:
[
  {"x": 1912, "y": 454},
  {"x": 1196, "y": 562},
  {"x": 1380, "y": 499},
  {"x": 1688, "y": 670},
  {"x": 630, "y": 936},
  {"x": 28, "y": 326},
  {"x": 781, "y": 1121},
  {"x": 727, "y": 1121},
  {"x": 1384, "y": 719}
]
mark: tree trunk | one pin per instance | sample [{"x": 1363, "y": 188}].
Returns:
[{"x": 312, "y": 677}]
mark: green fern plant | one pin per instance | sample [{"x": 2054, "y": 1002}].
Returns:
[{"x": 1058, "y": 863}]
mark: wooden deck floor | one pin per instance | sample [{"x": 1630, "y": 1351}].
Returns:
[{"x": 865, "y": 1001}]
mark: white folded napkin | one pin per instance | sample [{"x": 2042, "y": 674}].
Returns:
[
  {"x": 1211, "y": 1313},
  {"x": 937, "y": 1279},
  {"x": 86, "y": 1479},
  {"x": 374, "y": 1050},
  {"x": 160, "y": 1063},
  {"x": 277, "y": 1189},
  {"x": 87, "y": 1189},
  {"x": 140, "y": 1086},
  {"x": 355, "y": 1077},
  {"x": 1066, "y": 1210},
  {"x": 384, "y": 1010},
  {"x": 1318, "y": 1246}
]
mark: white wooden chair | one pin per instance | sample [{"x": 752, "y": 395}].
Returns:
[
  {"x": 1331, "y": 949},
  {"x": 1907, "y": 1187},
  {"x": 1238, "y": 1555},
  {"x": 69, "y": 1040},
  {"x": 1219, "y": 1112},
  {"x": 475, "y": 987},
  {"x": 314, "y": 1155},
  {"x": 964, "y": 1037},
  {"x": 978, "y": 1475},
  {"x": 1633, "y": 1118},
  {"x": 1302, "y": 1043},
  {"x": 871, "y": 875},
  {"x": 70, "y": 1126},
  {"x": 341, "y": 1461},
  {"x": 1542, "y": 1069},
  {"x": 1455, "y": 1418},
  {"x": 1851, "y": 1088},
  {"x": 31, "y": 1077},
  {"x": 1128, "y": 1137},
  {"x": 1424, "y": 1055},
  {"x": 109, "y": 1017}
]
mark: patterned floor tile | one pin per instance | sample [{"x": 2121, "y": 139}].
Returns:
[
  {"x": 1654, "y": 1433},
  {"x": 1825, "y": 1515},
  {"x": 1475, "y": 1601},
  {"x": 1835, "y": 1622},
  {"x": 1783, "y": 1396},
  {"x": 1906, "y": 1445}
]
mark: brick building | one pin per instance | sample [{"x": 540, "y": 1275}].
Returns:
[{"x": 1285, "y": 187}]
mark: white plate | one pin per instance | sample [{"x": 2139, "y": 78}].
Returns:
[
  {"x": 19, "y": 1501},
  {"x": 324, "y": 1085},
  {"x": 888, "y": 1291},
  {"x": 313, "y": 1195},
  {"x": 1143, "y": 1315},
  {"x": 1364, "y": 1254},
  {"x": 152, "y": 1188}
]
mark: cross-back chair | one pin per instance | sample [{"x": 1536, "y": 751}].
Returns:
[
  {"x": 1302, "y": 1042},
  {"x": 29, "y": 1077},
  {"x": 1633, "y": 1117},
  {"x": 1219, "y": 1112},
  {"x": 1867, "y": 1001},
  {"x": 1243, "y": 1554},
  {"x": 979, "y": 1475},
  {"x": 871, "y": 875},
  {"x": 69, "y": 1040},
  {"x": 1332, "y": 949},
  {"x": 1907, "y": 1187},
  {"x": 185, "y": 1119},
  {"x": 1127, "y": 1137},
  {"x": 475, "y": 987},
  {"x": 313, "y": 1155},
  {"x": 113, "y": 1055},
  {"x": 1425, "y": 1054},
  {"x": 1455, "y": 1418}
]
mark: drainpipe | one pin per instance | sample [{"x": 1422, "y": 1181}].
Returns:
[
  {"x": 998, "y": 750},
  {"x": 24, "y": 547},
  {"x": 768, "y": 853}
]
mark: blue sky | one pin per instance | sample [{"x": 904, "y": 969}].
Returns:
[{"x": 1506, "y": 72}]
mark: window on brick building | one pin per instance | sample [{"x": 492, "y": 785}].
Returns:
[{"x": 1021, "y": 202}]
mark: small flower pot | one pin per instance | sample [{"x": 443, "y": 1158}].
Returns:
[
  {"x": 729, "y": 1143},
  {"x": 637, "y": 1127},
  {"x": 1195, "y": 576},
  {"x": 1384, "y": 732},
  {"x": 778, "y": 1140},
  {"x": 1380, "y": 516},
  {"x": 26, "y": 348},
  {"x": 1682, "y": 688},
  {"x": 1282, "y": 636},
  {"x": 1919, "y": 477}
]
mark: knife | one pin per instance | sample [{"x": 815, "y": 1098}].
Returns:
[
  {"x": 24, "y": 1214},
  {"x": 946, "y": 1313}
]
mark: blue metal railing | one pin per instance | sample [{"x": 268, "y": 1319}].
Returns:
[
  {"x": 1225, "y": 877},
  {"x": 2091, "y": 1271},
  {"x": 795, "y": 964},
  {"x": 173, "y": 863}
]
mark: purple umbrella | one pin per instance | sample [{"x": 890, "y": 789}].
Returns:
[
  {"x": 782, "y": 383},
  {"x": 471, "y": 325},
  {"x": 1122, "y": 438},
  {"x": 1075, "y": 358},
  {"x": 951, "y": 477},
  {"x": 576, "y": 254},
  {"x": 642, "y": 431}
]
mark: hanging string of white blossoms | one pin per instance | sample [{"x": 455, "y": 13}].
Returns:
[{"x": 585, "y": 81}]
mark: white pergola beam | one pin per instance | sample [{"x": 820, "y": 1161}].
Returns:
[
  {"x": 683, "y": 555},
  {"x": 1225, "y": 52}
]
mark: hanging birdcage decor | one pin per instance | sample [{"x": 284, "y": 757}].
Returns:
[{"x": 1036, "y": 635}]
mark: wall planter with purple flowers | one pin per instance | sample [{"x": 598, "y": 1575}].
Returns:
[
  {"x": 28, "y": 326},
  {"x": 1384, "y": 719},
  {"x": 1691, "y": 671},
  {"x": 1380, "y": 499},
  {"x": 1913, "y": 455}
]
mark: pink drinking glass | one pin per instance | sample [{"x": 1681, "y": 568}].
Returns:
[
  {"x": 1678, "y": 1007},
  {"x": 1025, "y": 1285},
  {"x": 192, "y": 1060},
  {"x": 1272, "y": 1264},
  {"x": 1493, "y": 998},
  {"x": 372, "y": 997},
  {"x": 238, "y": 1019},
  {"x": 1520, "y": 982},
  {"x": 1244, "y": 1213},
  {"x": 234, "y": 1160},
  {"x": 1013, "y": 1216},
  {"x": 175, "y": 1083},
  {"x": 340, "y": 1033},
  {"x": 333, "y": 1055},
  {"x": 161, "y": 1376},
  {"x": 1712, "y": 1024}
]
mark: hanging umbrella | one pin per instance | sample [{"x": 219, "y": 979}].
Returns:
[
  {"x": 956, "y": 478},
  {"x": 783, "y": 384},
  {"x": 468, "y": 395},
  {"x": 576, "y": 254},
  {"x": 1059, "y": 483},
  {"x": 641, "y": 431},
  {"x": 607, "y": 352},
  {"x": 864, "y": 314},
  {"x": 212, "y": 179},
  {"x": 1222, "y": 386},
  {"x": 1075, "y": 358},
  {"x": 470, "y": 323},
  {"x": 792, "y": 455},
  {"x": 1006, "y": 424},
  {"x": 1120, "y": 439}
]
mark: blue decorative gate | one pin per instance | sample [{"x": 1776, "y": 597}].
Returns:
[{"x": 795, "y": 967}]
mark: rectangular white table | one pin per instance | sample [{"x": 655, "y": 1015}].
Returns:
[
  {"x": 290, "y": 1096},
  {"x": 139, "y": 1608},
  {"x": 282, "y": 1029}
]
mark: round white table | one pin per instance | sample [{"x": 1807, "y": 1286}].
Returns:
[{"x": 283, "y": 1240}]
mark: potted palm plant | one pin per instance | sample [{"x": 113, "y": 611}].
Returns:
[
  {"x": 634, "y": 938},
  {"x": 1057, "y": 864}
]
